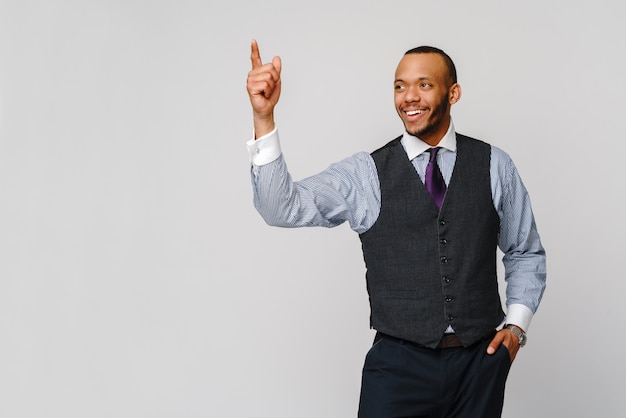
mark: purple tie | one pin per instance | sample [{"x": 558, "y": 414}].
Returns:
[{"x": 434, "y": 179}]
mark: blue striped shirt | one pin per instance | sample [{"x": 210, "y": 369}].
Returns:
[{"x": 349, "y": 191}]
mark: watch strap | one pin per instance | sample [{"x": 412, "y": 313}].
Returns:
[{"x": 521, "y": 335}]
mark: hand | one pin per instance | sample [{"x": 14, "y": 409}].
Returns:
[
  {"x": 508, "y": 338},
  {"x": 264, "y": 90}
]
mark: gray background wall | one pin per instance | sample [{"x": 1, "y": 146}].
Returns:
[{"x": 136, "y": 279}]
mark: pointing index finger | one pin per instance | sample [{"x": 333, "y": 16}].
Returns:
[{"x": 255, "y": 56}]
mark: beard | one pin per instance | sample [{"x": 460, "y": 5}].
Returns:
[{"x": 436, "y": 118}]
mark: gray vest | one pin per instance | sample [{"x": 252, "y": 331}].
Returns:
[{"x": 429, "y": 268}]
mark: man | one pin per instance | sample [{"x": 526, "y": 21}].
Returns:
[{"x": 430, "y": 207}]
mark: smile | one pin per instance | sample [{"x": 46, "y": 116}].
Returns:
[{"x": 414, "y": 112}]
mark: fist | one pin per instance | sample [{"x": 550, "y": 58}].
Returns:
[{"x": 263, "y": 84}]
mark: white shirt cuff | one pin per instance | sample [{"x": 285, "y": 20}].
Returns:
[
  {"x": 519, "y": 315},
  {"x": 265, "y": 149}
]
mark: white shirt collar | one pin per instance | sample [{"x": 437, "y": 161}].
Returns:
[{"x": 415, "y": 146}]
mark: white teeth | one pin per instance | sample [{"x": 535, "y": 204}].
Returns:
[{"x": 413, "y": 112}]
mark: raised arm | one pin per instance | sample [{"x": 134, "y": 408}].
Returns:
[{"x": 264, "y": 90}]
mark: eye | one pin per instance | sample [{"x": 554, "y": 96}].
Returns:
[
  {"x": 425, "y": 85},
  {"x": 399, "y": 87}
]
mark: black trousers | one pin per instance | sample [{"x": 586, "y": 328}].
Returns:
[{"x": 404, "y": 380}]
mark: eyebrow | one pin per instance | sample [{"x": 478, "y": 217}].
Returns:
[{"x": 418, "y": 80}]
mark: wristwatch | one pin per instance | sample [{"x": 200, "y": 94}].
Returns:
[{"x": 519, "y": 333}]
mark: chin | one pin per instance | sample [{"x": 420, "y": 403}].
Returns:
[{"x": 418, "y": 132}]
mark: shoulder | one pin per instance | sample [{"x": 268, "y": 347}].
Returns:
[
  {"x": 388, "y": 146},
  {"x": 498, "y": 156},
  {"x": 359, "y": 158},
  {"x": 360, "y": 164},
  {"x": 468, "y": 141},
  {"x": 502, "y": 166}
]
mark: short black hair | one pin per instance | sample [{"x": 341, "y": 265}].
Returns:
[{"x": 432, "y": 50}]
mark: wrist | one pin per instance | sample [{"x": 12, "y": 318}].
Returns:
[
  {"x": 263, "y": 125},
  {"x": 519, "y": 333}
]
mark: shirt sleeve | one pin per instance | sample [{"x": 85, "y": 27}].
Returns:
[
  {"x": 265, "y": 149},
  {"x": 524, "y": 256},
  {"x": 347, "y": 191}
]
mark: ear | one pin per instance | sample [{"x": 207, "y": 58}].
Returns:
[{"x": 454, "y": 94}]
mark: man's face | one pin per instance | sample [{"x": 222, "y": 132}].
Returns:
[{"x": 423, "y": 96}]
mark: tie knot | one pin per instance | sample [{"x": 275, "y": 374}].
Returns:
[{"x": 433, "y": 153}]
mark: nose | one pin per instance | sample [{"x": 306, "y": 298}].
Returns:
[{"x": 412, "y": 94}]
